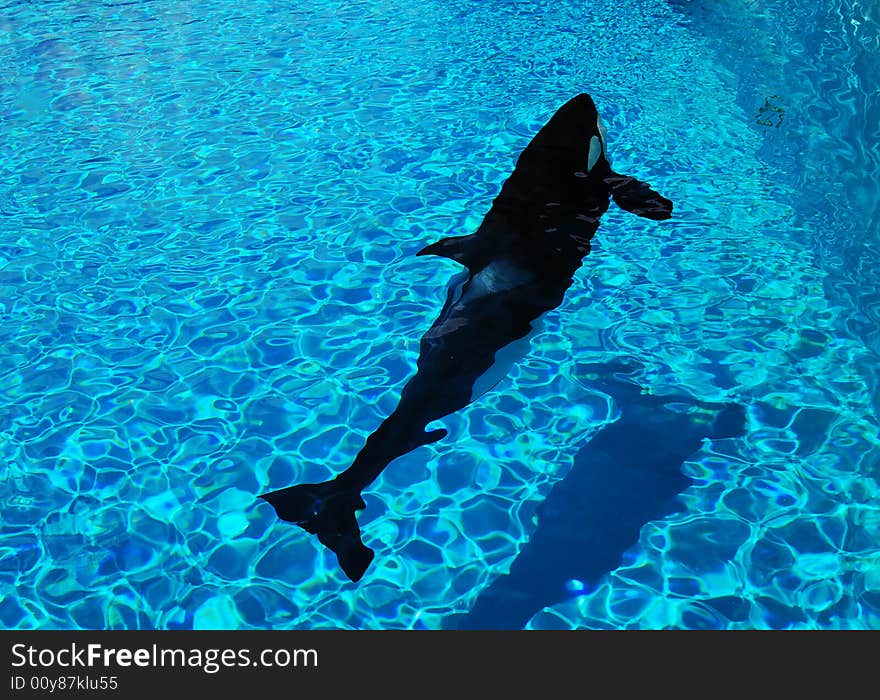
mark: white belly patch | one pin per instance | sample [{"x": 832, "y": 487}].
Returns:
[{"x": 498, "y": 276}]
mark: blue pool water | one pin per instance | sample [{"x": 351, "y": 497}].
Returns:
[{"x": 208, "y": 219}]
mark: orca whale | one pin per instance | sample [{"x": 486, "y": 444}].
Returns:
[{"x": 518, "y": 265}]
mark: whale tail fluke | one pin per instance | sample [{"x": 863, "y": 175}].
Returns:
[{"x": 328, "y": 511}]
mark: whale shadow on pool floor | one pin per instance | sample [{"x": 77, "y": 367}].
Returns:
[{"x": 629, "y": 474}]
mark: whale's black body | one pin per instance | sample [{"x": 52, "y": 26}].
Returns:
[{"x": 519, "y": 264}]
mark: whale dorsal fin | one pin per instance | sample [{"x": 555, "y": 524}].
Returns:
[{"x": 463, "y": 249}]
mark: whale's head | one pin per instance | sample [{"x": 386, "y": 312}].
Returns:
[
  {"x": 566, "y": 163},
  {"x": 573, "y": 142}
]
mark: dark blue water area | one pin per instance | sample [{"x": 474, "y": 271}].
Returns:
[
  {"x": 805, "y": 72},
  {"x": 629, "y": 474}
]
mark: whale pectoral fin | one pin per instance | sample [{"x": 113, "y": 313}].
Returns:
[
  {"x": 462, "y": 249},
  {"x": 637, "y": 197},
  {"x": 328, "y": 511}
]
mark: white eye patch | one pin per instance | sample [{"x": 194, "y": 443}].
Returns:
[
  {"x": 597, "y": 146},
  {"x": 595, "y": 152}
]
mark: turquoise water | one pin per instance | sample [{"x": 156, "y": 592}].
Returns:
[{"x": 208, "y": 289}]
